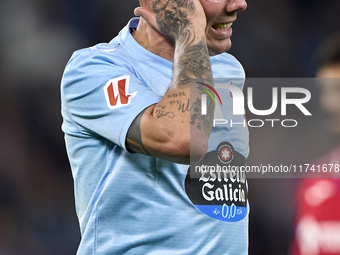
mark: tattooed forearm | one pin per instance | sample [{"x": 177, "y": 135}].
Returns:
[
  {"x": 193, "y": 64},
  {"x": 179, "y": 20},
  {"x": 174, "y": 19}
]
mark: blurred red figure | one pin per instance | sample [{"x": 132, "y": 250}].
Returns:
[{"x": 317, "y": 230}]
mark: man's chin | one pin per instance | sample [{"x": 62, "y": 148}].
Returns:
[{"x": 219, "y": 49}]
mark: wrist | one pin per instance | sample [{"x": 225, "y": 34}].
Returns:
[{"x": 190, "y": 37}]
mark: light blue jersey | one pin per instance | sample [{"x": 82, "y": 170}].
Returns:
[{"x": 129, "y": 203}]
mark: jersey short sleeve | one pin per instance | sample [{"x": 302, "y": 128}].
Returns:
[{"x": 101, "y": 96}]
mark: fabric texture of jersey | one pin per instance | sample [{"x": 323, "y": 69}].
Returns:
[{"x": 129, "y": 203}]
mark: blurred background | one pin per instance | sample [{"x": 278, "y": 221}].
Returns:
[{"x": 272, "y": 38}]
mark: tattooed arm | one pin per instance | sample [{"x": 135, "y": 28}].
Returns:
[{"x": 174, "y": 129}]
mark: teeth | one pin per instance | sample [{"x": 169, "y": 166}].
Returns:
[{"x": 222, "y": 26}]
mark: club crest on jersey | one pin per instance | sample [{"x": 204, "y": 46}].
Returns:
[{"x": 117, "y": 92}]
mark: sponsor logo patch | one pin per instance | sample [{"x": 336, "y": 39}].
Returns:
[
  {"x": 117, "y": 92},
  {"x": 216, "y": 187}
]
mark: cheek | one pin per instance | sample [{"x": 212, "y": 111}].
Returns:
[{"x": 212, "y": 7}]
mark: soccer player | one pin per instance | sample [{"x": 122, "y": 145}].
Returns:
[
  {"x": 133, "y": 122},
  {"x": 318, "y": 199}
]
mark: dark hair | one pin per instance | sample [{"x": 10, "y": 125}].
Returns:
[{"x": 329, "y": 52}]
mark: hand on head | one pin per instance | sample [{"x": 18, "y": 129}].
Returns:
[{"x": 174, "y": 17}]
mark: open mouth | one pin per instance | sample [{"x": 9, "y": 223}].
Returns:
[{"x": 222, "y": 26}]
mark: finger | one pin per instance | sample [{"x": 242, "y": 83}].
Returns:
[
  {"x": 148, "y": 15},
  {"x": 137, "y": 11}
]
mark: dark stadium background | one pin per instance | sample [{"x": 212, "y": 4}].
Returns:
[{"x": 273, "y": 38}]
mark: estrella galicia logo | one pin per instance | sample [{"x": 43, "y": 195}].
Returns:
[{"x": 215, "y": 188}]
